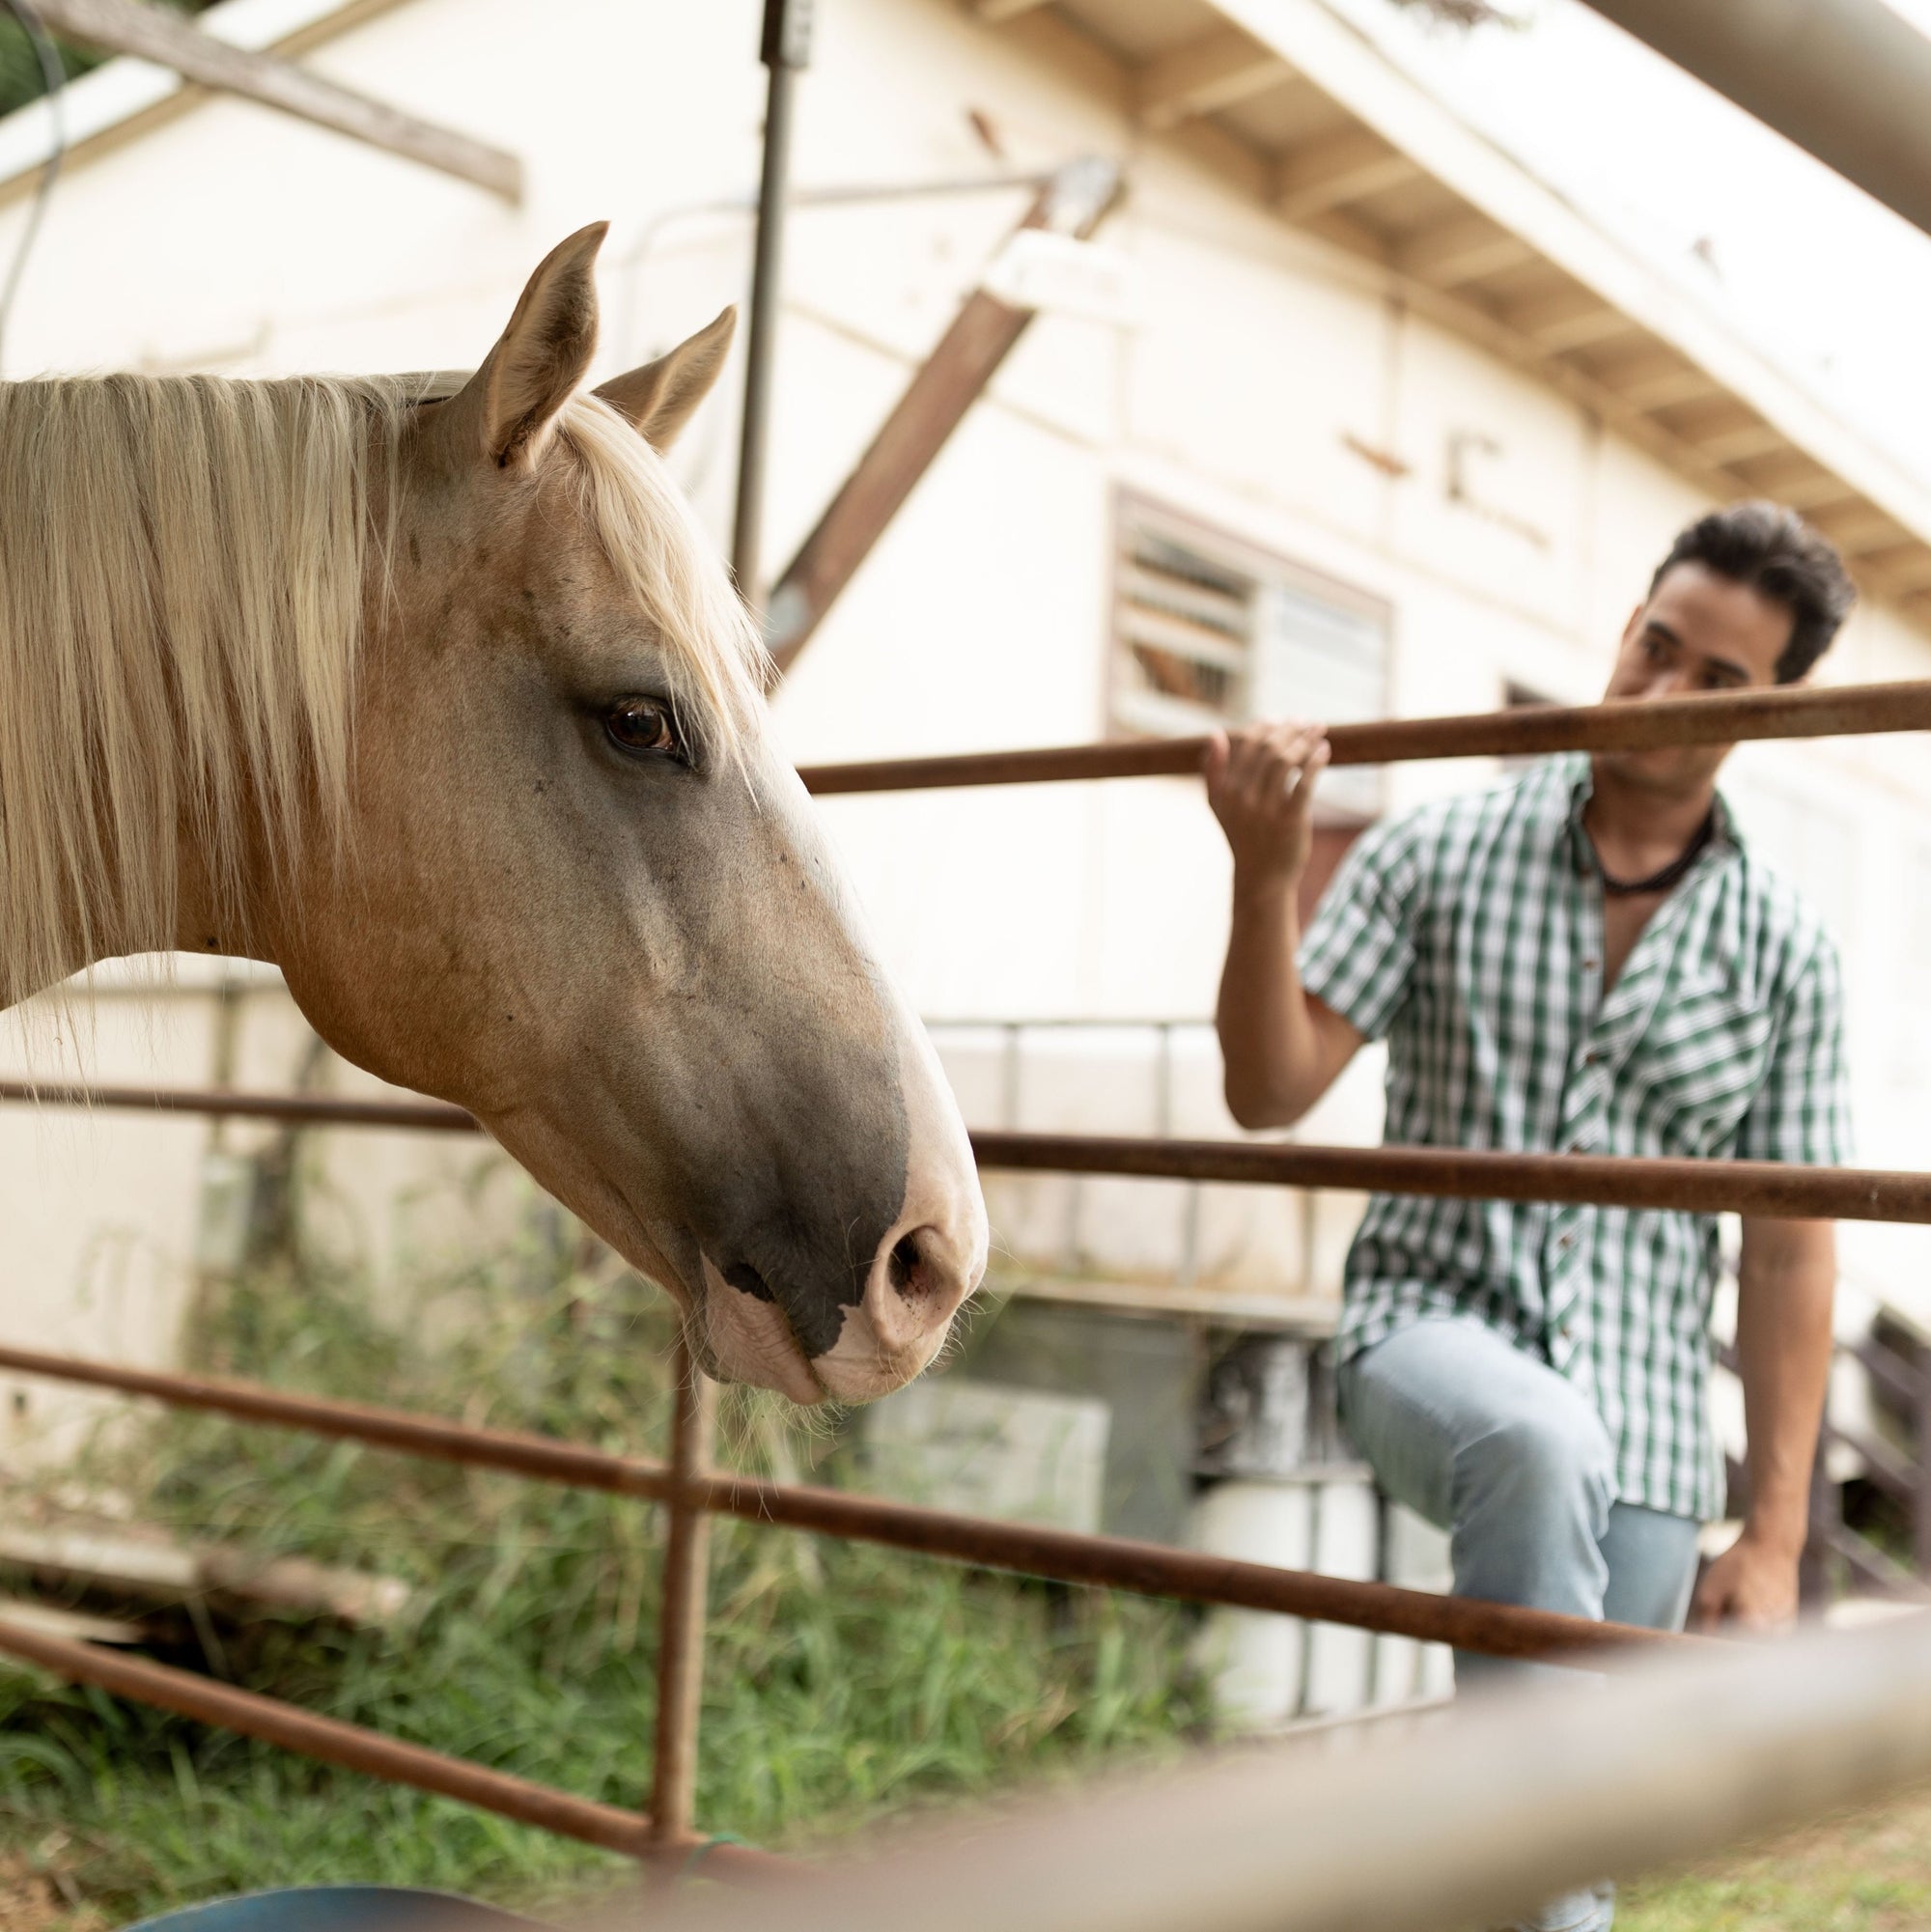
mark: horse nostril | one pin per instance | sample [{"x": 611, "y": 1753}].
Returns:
[{"x": 902, "y": 1269}]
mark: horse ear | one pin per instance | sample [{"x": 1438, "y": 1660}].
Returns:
[
  {"x": 511, "y": 403},
  {"x": 660, "y": 397}
]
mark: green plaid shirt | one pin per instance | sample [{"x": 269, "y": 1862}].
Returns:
[{"x": 1469, "y": 934}]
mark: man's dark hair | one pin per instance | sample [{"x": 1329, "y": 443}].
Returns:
[{"x": 1780, "y": 557}]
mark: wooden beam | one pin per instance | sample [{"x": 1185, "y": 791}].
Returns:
[
  {"x": 1463, "y": 250},
  {"x": 995, "y": 11},
  {"x": 1739, "y": 445},
  {"x": 1859, "y": 530},
  {"x": 1572, "y": 320},
  {"x": 1657, "y": 378},
  {"x": 1794, "y": 477},
  {"x": 942, "y": 389},
  {"x": 1668, "y": 388},
  {"x": 1214, "y": 71},
  {"x": 1905, "y": 570},
  {"x": 1331, "y": 173},
  {"x": 153, "y": 34}
]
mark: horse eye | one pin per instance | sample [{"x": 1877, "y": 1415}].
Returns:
[{"x": 641, "y": 724}]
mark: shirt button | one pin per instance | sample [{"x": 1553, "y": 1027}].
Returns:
[
  {"x": 1592, "y": 1059},
  {"x": 1567, "y": 1241},
  {"x": 1590, "y": 965}
]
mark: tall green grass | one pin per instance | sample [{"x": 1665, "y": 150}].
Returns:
[{"x": 842, "y": 1682}]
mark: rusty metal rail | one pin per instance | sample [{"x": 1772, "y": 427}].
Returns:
[
  {"x": 1724, "y": 718},
  {"x": 1766, "y": 1188},
  {"x": 1763, "y": 1187},
  {"x": 1113, "y": 1562},
  {"x": 351, "y": 1746},
  {"x": 375, "y": 1753}
]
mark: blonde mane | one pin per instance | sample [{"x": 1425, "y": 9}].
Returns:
[{"x": 182, "y": 573}]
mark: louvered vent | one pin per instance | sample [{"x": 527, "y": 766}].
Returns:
[{"x": 1209, "y": 632}]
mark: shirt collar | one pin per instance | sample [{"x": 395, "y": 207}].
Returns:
[{"x": 1576, "y": 772}]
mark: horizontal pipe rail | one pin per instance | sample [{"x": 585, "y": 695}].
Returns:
[
  {"x": 1115, "y": 1562},
  {"x": 1468, "y": 1821},
  {"x": 351, "y": 1746},
  {"x": 1769, "y": 1189},
  {"x": 413, "y": 1116},
  {"x": 404, "y": 1431},
  {"x": 1157, "y": 1570},
  {"x": 1723, "y": 718}
]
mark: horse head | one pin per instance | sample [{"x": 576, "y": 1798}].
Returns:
[
  {"x": 559, "y": 872},
  {"x": 584, "y": 896}
]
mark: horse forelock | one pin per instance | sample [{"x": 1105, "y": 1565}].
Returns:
[{"x": 654, "y": 543}]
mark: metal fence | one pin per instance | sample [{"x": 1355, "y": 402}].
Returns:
[
  {"x": 1466, "y": 1823},
  {"x": 692, "y": 1491}
]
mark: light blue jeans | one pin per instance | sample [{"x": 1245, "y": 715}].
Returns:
[{"x": 1497, "y": 1449}]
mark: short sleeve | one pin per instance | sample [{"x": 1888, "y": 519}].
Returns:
[
  {"x": 1358, "y": 951},
  {"x": 1802, "y": 1112}
]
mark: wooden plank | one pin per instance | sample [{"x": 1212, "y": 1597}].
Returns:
[
  {"x": 1739, "y": 445},
  {"x": 1793, "y": 476},
  {"x": 75, "y": 1626},
  {"x": 1657, "y": 378},
  {"x": 1214, "y": 71},
  {"x": 1462, "y": 251},
  {"x": 1333, "y": 173},
  {"x": 1572, "y": 320},
  {"x": 150, "y": 33},
  {"x": 1906, "y": 568},
  {"x": 1859, "y": 531},
  {"x": 996, "y": 11},
  {"x": 945, "y": 385},
  {"x": 1668, "y": 388}
]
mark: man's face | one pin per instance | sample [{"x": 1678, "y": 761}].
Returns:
[{"x": 1697, "y": 631}]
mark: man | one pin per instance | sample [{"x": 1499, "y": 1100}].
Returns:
[{"x": 1588, "y": 961}]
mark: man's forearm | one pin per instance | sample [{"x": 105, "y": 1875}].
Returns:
[
  {"x": 1784, "y": 1295},
  {"x": 1268, "y": 1038}
]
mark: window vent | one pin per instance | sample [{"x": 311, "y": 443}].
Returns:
[{"x": 1209, "y": 632}]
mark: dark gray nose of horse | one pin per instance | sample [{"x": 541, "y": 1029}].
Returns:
[
  {"x": 805, "y": 1319},
  {"x": 922, "y": 1273}
]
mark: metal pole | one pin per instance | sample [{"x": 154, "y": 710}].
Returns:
[
  {"x": 785, "y": 49},
  {"x": 1779, "y": 1190},
  {"x": 329, "y": 1740},
  {"x": 1463, "y": 1823},
  {"x": 1626, "y": 725},
  {"x": 681, "y": 1622},
  {"x": 1150, "y": 1569}
]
